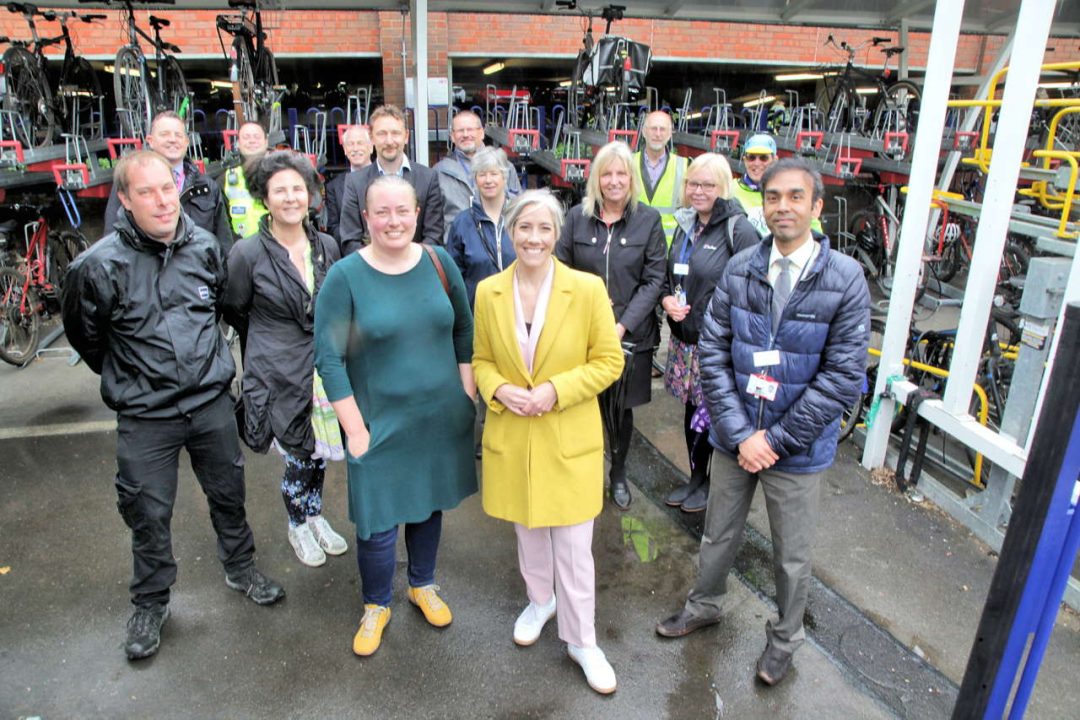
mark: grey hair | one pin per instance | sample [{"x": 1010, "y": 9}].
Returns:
[
  {"x": 530, "y": 198},
  {"x": 491, "y": 158}
]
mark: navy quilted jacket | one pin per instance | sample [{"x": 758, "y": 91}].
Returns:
[{"x": 822, "y": 339}]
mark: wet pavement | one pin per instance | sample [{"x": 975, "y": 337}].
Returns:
[{"x": 894, "y": 607}]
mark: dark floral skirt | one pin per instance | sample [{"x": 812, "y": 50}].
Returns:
[{"x": 682, "y": 377}]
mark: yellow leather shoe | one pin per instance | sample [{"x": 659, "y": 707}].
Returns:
[
  {"x": 369, "y": 636},
  {"x": 435, "y": 610}
]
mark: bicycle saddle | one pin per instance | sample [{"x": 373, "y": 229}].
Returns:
[
  {"x": 253, "y": 4},
  {"x": 157, "y": 22},
  {"x": 17, "y": 7},
  {"x": 890, "y": 51}
]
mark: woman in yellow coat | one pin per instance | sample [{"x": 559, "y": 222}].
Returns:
[{"x": 544, "y": 347}]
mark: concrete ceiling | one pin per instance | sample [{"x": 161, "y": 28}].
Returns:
[{"x": 991, "y": 16}]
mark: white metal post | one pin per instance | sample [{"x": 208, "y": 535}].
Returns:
[
  {"x": 942, "y": 58},
  {"x": 1033, "y": 27},
  {"x": 419, "y": 11}
]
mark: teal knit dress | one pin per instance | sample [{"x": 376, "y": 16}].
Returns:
[{"x": 395, "y": 342}]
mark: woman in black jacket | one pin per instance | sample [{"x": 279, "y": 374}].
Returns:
[
  {"x": 612, "y": 235},
  {"x": 274, "y": 278},
  {"x": 712, "y": 227}
]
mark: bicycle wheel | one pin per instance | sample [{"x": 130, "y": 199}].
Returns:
[
  {"x": 174, "y": 86},
  {"x": 246, "y": 79},
  {"x": 131, "y": 92},
  {"x": 28, "y": 95},
  {"x": 266, "y": 82},
  {"x": 64, "y": 247},
  {"x": 852, "y": 415},
  {"x": 902, "y": 101},
  {"x": 19, "y": 321},
  {"x": 81, "y": 90}
]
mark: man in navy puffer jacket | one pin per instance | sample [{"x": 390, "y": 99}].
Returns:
[{"x": 782, "y": 353}]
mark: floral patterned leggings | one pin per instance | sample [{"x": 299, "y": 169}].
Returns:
[{"x": 302, "y": 487}]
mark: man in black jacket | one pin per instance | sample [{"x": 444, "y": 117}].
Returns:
[
  {"x": 391, "y": 138},
  {"x": 200, "y": 195},
  {"x": 141, "y": 306}
]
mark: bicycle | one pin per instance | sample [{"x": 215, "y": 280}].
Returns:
[
  {"x": 39, "y": 104},
  {"x": 871, "y": 240},
  {"x": 30, "y": 277},
  {"x": 606, "y": 74},
  {"x": 138, "y": 99},
  {"x": 845, "y": 109},
  {"x": 251, "y": 62}
]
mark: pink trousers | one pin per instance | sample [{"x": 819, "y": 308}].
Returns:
[{"x": 559, "y": 560}]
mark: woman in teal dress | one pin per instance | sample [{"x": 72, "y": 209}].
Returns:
[{"x": 393, "y": 345}]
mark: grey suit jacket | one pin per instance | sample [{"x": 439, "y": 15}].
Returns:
[{"x": 429, "y": 225}]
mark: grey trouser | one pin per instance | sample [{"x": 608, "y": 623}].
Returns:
[{"x": 791, "y": 501}]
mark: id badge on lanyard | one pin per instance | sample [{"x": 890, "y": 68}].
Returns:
[{"x": 761, "y": 386}]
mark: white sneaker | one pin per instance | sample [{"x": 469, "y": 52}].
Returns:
[
  {"x": 598, "y": 671},
  {"x": 306, "y": 546},
  {"x": 328, "y": 540},
  {"x": 531, "y": 621}
]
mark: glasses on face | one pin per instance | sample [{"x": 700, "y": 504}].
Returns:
[
  {"x": 693, "y": 185},
  {"x": 467, "y": 130},
  {"x": 754, "y": 157}
]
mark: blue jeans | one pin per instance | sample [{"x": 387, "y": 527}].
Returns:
[{"x": 375, "y": 558}]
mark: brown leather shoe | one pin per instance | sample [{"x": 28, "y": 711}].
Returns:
[{"x": 683, "y": 623}]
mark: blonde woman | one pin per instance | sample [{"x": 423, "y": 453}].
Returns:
[{"x": 612, "y": 235}]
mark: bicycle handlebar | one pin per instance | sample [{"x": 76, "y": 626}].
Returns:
[{"x": 253, "y": 4}]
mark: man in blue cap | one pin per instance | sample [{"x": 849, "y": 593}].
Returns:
[{"x": 758, "y": 154}]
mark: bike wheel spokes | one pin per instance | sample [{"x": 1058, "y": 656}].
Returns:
[
  {"x": 27, "y": 94},
  {"x": 174, "y": 86},
  {"x": 132, "y": 92},
  {"x": 19, "y": 322}
]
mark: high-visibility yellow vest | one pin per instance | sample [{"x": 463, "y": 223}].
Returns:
[
  {"x": 244, "y": 210},
  {"x": 667, "y": 195}
]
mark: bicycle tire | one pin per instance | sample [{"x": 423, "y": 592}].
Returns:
[
  {"x": 20, "y": 330},
  {"x": 28, "y": 95},
  {"x": 266, "y": 82},
  {"x": 246, "y": 79},
  {"x": 81, "y": 80},
  {"x": 174, "y": 86},
  {"x": 64, "y": 247},
  {"x": 131, "y": 91},
  {"x": 575, "y": 97},
  {"x": 905, "y": 96},
  {"x": 849, "y": 419}
]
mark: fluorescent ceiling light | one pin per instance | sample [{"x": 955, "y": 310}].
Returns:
[
  {"x": 566, "y": 83},
  {"x": 494, "y": 68},
  {"x": 799, "y": 76},
  {"x": 1057, "y": 85},
  {"x": 866, "y": 90},
  {"x": 131, "y": 72},
  {"x": 759, "y": 101},
  {"x": 221, "y": 84}
]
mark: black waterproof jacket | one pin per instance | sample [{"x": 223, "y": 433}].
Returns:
[
  {"x": 268, "y": 303},
  {"x": 631, "y": 265},
  {"x": 144, "y": 316},
  {"x": 727, "y": 232},
  {"x": 201, "y": 198}
]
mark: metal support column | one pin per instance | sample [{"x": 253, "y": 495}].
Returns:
[
  {"x": 941, "y": 57},
  {"x": 419, "y": 12},
  {"x": 1033, "y": 25}
]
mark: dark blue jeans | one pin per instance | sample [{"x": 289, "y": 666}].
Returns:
[{"x": 375, "y": 557}]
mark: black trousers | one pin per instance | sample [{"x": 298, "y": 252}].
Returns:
[{"x": 147, "y": 458}]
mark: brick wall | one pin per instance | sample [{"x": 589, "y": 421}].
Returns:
[{"x": 505, "y": 35}]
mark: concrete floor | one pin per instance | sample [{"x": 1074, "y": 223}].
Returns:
[{"x": 898, "y": 595}]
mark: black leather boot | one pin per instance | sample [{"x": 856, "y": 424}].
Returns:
[{"x": 620, "y": 489}]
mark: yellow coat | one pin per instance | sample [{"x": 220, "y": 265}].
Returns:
[{"x": 549, "y": 470}]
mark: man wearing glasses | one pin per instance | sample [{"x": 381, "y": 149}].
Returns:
[
  {"x": 661, "y": 171},
  {"x": 758, "y": 154},
  {"x": 456, "y": 179}
]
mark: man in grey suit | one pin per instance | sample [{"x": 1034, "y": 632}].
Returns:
[
  {"x": 357, "y": 144},
  {"x": 390, "y": 136}
]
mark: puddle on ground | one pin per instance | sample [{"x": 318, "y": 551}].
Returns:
[{"x": 637, "y": 537}]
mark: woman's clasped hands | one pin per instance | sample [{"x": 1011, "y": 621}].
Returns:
[{"x": 525, "y": 402}]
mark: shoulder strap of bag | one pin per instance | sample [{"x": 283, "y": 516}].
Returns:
[{"x": 438, "y": 267}]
